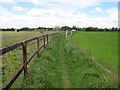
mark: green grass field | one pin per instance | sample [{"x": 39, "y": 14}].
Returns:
[
  {"x": 84, "y": 60},
  {"x": 102, "y": 45},
  {"x": 63, "y": 64}
]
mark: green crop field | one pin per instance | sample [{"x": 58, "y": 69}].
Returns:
[
  {"x": 67, "y": 63},
  {"x": 11, "y": 37}
]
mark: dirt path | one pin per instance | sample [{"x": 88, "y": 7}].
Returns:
[{"x": 65, "y": 75}]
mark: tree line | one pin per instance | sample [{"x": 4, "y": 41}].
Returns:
[
  {"x": 63, "y": 28},
  {"x": 89, "y": 28}
]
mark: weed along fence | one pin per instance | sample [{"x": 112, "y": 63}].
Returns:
[{"x": 47, "y": 38}]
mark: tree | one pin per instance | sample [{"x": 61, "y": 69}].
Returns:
[
  {"x": 106, "y": 29},
  {"x": 50, "y": 29},
  {"x": 118, "y": 29},
  {"x": 65, "y": 27},
  {"x": 24, "y": 29}
]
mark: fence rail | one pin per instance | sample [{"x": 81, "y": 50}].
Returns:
[{"x": 25, "y": 61}]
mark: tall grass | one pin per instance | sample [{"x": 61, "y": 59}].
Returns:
[{"x": 63, "y": 64}]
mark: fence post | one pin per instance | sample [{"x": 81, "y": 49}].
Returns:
[
  {"x": 52, "y": 37},
  {"x": 38, "y": 47},
  {"x": 47, "y": 38},
  {"x": 25, "y": 58},
  {"x": 44, "y": 41},
  {"x": 55, "y": 35}
]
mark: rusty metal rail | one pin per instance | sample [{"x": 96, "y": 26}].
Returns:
[{"x": 25, "y": 61}]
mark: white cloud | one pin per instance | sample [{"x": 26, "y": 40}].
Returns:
[
  {"x": 61, "y": 13},
  {"x": 97, "y": 9},
  {"x": 81, "y": 3},
  {"x": 35, "y": 2},
  {"x": 110, "y": 21},
  {"x": 40, "y": 17},
  {"x": 110, "y": 10},
  {"x": 109, "y": 0},
  {"x": 43, "y": 19},
  {"x": 113, "y": 14},
  {"x": 17, "y": 8},
  {"x": 4, "y": 12},
  {"x": 8, "y": 1},
  {"x": 63, "y": 3}
]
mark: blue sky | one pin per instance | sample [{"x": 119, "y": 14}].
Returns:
[{"x": 49, "y": 13}]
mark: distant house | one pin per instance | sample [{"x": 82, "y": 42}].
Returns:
[
  {"x": 54, "y": 29},
  {"x": 36, "y": 29},
  {"x": 73, "y": 30},
  {"x": 17, "y": 30}
]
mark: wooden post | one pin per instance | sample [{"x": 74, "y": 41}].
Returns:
[
  {"x": 38, "y": 47},
  {"x": 25, "y": 58},
  {"x": 66, "y": 34},
  {"x": 44, "y": 41},
  {"x": 52, "y": 36},
  {"x": 55, "y": 35},
  {"x": 47, "y": 38}
]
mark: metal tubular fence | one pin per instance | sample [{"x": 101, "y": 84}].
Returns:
[{"x": 49, "y": 37}]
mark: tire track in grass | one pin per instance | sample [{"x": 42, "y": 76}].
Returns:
[
  {"x": 65, "y": 75},
  {"x": 98, "y": 63},
  {"x": 105, "y": 68},
  {"x": 113, "y": 75}
]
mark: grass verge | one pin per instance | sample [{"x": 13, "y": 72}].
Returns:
[{"x": 62, "y": 64}]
